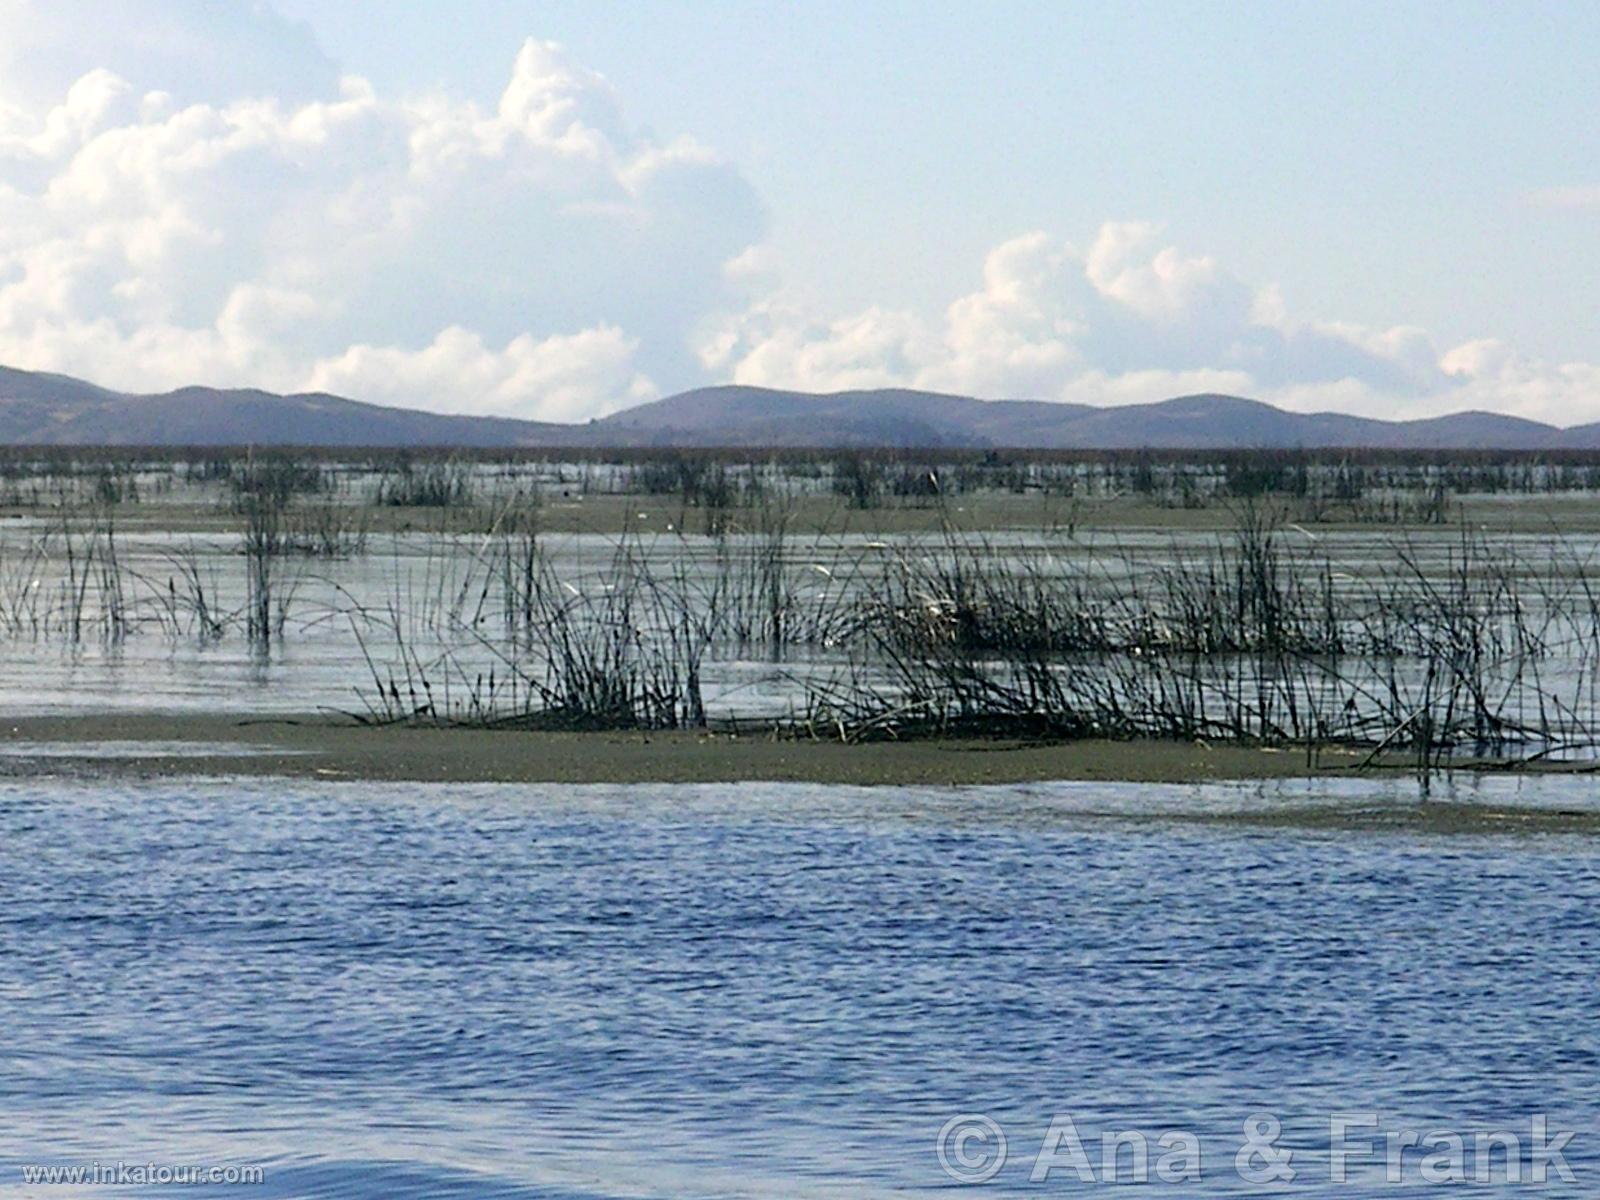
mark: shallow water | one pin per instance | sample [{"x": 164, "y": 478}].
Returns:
[
  {"x": 428, "y": 605},
  {"x": 770, "y": 990},
  {"x": 418, "y": 603}
]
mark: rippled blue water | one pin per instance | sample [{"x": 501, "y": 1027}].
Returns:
[{"x": 765, "y": 990}]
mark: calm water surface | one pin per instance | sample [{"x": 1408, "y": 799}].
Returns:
[
  {"x": 768, "y": 990},
  {"x": 443, "y": 597}
]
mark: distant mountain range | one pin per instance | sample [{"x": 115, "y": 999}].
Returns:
[
  {"x": 57, "y": 410},
  {"x": 891, "y": 417},
  {"x": 44, "y": 409}
]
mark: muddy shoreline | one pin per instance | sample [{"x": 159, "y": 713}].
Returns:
[{"x": 319, "y": 746}]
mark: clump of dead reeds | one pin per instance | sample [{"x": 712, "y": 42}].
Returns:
[{"x": 432, "y": 483}]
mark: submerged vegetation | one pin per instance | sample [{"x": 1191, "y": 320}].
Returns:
[{"x": 1438, "y": 638}]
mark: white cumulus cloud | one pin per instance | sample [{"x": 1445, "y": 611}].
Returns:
[
  {"x": 575, "y": 376},
  {"x": 530, "y": 259},
  {"x": 1132, "y": 319},
  {"x": 190, "y": 192}
]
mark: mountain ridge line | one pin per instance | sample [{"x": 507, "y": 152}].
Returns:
[{"x": 50, "y": 409}]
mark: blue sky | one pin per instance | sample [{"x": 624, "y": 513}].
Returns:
[{"x": 1372, "y": 207}]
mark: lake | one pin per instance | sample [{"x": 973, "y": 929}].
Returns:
[{"x": 779, "y": 990}]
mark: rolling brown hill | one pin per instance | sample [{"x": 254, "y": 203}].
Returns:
[
  {"x": 46, "y": 409},
  {"x": 57, "y": 410},
  {"x": 760, "y": 416}
]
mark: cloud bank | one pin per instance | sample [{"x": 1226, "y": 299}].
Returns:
[
  {"x": 190, "y": 192},
  {"x": 530, "y": 260},
  {"x": 1128, "y": 319}
]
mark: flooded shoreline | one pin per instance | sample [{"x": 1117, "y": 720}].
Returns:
[
  {"x": 315, "y": 748},
  {"x": 316, "y": 745},
  {"x": 1128, "y": 619}
]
